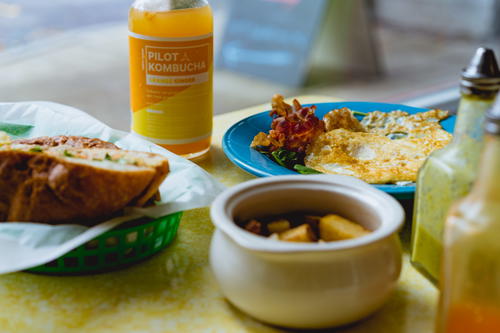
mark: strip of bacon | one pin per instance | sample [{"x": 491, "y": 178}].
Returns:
[{"x": 292, "y": 128}]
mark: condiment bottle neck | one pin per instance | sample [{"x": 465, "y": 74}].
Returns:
[{"x": 470, "y": 116}]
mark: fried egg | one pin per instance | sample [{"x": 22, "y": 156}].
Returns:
[{"x": 382, "y": 148}]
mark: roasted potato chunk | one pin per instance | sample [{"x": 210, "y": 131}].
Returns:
[
  {"x": 304, "y": 227},
  {"x": 278, "y": 226},
  {"x": 274, "y": 236},
  {"x": 334, "y": 227},
  {"x": 302, "y": 233}
]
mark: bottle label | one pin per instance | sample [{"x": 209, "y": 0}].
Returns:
[{"x": 171, "y": 87}]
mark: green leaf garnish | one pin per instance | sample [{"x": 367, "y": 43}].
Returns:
[
  {"x": 16, "y": 130},
  {"x": 357, "y": 113},
  {"x": 302, "y": 169},
  {"x": 108, "y": 157},
  {"x": 68, "y": 154},
  {"x": 36, "y": 149},
  {"x": 286, "y": 158}
]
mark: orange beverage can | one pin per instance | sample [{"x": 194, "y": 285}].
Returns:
[{"x": 171, "y": 70}]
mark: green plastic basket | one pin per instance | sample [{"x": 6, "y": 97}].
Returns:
[{"x": 122, "y": 246}]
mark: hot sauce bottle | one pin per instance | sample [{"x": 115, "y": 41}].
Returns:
[
  {"x": 470, "y": 280},
  {"x": 447, "y": 175},
  {"x": 171, "y": 67}
]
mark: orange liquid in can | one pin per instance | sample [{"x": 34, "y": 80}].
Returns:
[{"x": 175, "y": 116}]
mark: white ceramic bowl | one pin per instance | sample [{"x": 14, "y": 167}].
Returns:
[{"x": 306, "y": 285}]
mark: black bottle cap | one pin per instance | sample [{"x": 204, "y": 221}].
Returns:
[
  {"x": 482, "y": 73},
  {"x": 492, "y": 125}
]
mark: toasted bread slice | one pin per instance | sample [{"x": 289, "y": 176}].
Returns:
[{"x": 63, "y": 184}]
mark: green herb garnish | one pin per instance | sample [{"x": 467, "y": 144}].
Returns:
[
  {"x": 68, "y": 154},
  {"x": 357, "y": 113},
  {"x": 302, "y": 169},
  {"x": 36, "y": 149},
  {"x": 286, "y": 158},
  {"x": 15, "y": 130},
  {"x": 291, "y": 160},
  {"x": 108, "y": 157}
]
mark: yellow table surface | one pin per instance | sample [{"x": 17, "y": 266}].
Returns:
[{"x": 175, "y": 291}]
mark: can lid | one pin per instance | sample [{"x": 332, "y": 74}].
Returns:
[
  {"x": 482, "y": 72},
  {"x": 492, "y": 124}
]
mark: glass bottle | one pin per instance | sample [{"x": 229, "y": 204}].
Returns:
[
  {"x": 171, "y": 69},
  {"x": 470, "y": 295},
  {"x": 448, "y": 174}
]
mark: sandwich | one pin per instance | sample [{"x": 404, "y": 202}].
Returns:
[{"x": 77, "y": 180}]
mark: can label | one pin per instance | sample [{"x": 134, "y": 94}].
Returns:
[{"x": 171, "y": 88}]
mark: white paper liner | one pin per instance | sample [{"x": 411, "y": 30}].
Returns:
[{"x": 24, "y": 245}]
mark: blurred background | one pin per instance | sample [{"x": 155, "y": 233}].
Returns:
[{"x": 75, "y": 52}]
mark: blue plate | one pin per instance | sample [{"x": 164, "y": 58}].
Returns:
[{"x": 236, "y": 141}]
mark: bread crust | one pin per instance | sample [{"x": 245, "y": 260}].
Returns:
[
  {"x": 152, "y": 189},
  {"x": 37, "y": 187}
]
